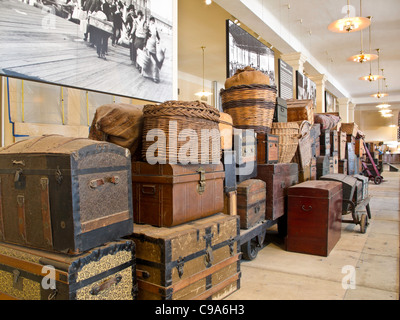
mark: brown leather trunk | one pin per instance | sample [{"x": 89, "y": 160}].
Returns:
[
  {"x": 278, "y": 178},
  {"x": 64, "y": 194},
  {"x": 334, "y": 141},
  {"x": 251, "y": 199},
  {"x": 314, "y": 217},
  {"x": 167, "y": 195},
  {"x": 195, "y": 261},
  {"x": 267, "y": 148},
  {"x": 106, "y": 272}
]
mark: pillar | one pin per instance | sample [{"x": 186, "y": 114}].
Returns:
[
  {"x": 344, "y": 109},
  {"x": 352, "y": 107}
]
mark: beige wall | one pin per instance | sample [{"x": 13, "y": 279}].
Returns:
[{"x": 376, "y": 127}]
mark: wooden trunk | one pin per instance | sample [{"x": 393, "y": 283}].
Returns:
[
  {"x": 245, "y": 146},
  {"x": 267, "y": 148},
  {"x": 322, "y": 166},
  {"x": 229, "y": 162},
  {"x": 251, "y": 201},
  {"x": 343, "y": 166},
  {"x": 325, "y": 143},
  {"x": 230, "y": 203},
  {"x": 103, "y": 273},
  {"x": 197, "y": 260},
  {"x": 359, "y": 147},
  {"x": 280, "y": 114},
  {"x": 278, "y": 178},
  {"x": 335, "y": 162},
  {"x": 64, "y": 194},
  {"x": 166, "y": 195},
  {"x": 314, "y": 217},
  {"x": 342, "y": 145},
  {"x": 349, "y": 185}
]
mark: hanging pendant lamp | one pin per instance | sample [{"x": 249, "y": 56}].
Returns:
[
  {"x": 349, "y": 24},
  {"x": 362, "y": 57},
  {"x": 203, "y": 93}
]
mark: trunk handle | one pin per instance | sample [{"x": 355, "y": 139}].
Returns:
[{"x": 93, "y": 184}]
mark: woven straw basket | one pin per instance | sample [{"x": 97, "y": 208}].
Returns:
[
  {"x": 288, "y": 133},
  {"x": 250, "y": 106},
  {"x": 193, "y": 117}
]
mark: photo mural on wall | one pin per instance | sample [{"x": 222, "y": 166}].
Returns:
[
  {"x": 245, "y": 50},
  {"x": 306, "y": 89},
  {"x": 118, "y": 47}
]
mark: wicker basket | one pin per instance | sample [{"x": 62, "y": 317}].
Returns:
[
  {"x": 288, "y": 133},
  {"x": 193, "y": 117},
  {"x": 250, "y": 106}
]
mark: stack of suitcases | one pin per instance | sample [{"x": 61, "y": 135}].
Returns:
[
  {"x": 148, "y": 208},
  {"x": 62, "y": 218}
]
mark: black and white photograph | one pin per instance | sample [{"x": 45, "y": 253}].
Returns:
[
  {"x": 245, "y": 50},
  {"x": 120, "y": 47},
  {"x": 306, "y": 89},
  {"x": 330, "y": 102}
]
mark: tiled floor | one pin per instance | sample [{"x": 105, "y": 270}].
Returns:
[{"x": 371, "y": 258}]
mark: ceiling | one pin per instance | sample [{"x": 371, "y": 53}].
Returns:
[{"x": 298, "y": 26}]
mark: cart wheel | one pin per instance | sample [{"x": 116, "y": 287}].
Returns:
[
  {"x": 250, "y": 249},
  {"x": 364, "y": 223},
  {"x": 378, "y": 180}
]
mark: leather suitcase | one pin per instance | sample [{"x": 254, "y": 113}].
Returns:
[
  {"x": 314, "y": 217},
  {"x": 229, "y": 162},
  {"x": 167, "y": 195},
  {"x": 313, "y": 169},
  {"x": 251, "y": 200},
  {"x": 334, "y": 141},
  {"x": 64, "y": 194},
  {"x": 278, "y": 178},
  {"x": 197, "y": 260},
  {"x": 335, "y": 162},
  {"x": 365, "y": 182},
  {"x": 351, "y": 159},
  {"x": 107, "y": 272},
  {"x": 342, "y": 145},
  {"x": 280, "y": 114},
  {"x": 267, "y": 148},
  {"x": 245, "y": 146},
  {"x": 343, "y": 166},
  {"x": 323, "y": 167},
  {"x": 325, "y": 143},
  {"x": 349, "y": 187}
]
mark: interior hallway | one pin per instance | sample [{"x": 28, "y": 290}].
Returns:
[{"x": 276, "y": 274}]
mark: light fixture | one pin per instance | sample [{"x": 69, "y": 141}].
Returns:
[
  {"x": 380, "y": 94},
  {"x": 383, "y": 105},
  {"x": 203, "y": 93},
  {"x": 349, "y": 24},
  {"x": 208, "y": 2},
  {"x": 385, "y": 111},
  {"x": 371, "y": 77},
  {"x": 362, "y": 57},
  {"x": 387, "y": 115}
]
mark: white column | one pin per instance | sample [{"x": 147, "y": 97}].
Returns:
[
  {"x": 344, "y": 109},
  {"x": 352, "y": 107}
]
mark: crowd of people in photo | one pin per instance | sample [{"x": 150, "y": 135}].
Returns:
[{"x": 131, "y": 28}]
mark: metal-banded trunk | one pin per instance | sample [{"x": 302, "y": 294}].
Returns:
[
  {"x": 64, "y": 194},
  {"x": 103, "y": 273},
  {"x": 251, "y": 200},
  {"x": 197, "y": 260}
]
